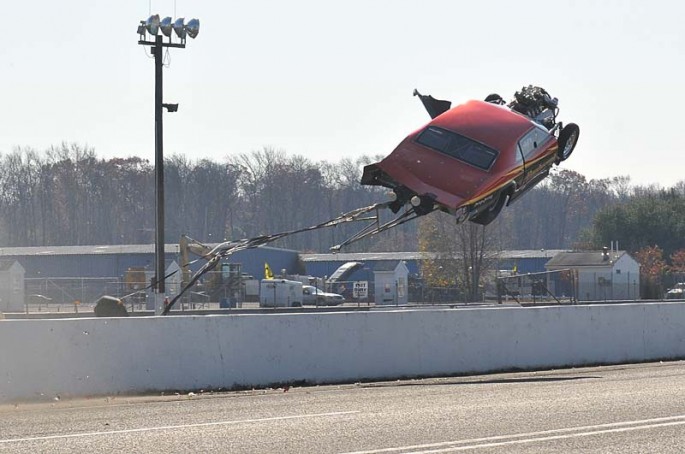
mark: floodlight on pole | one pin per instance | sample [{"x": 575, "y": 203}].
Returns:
[
  {"x": 165, "y": 26},
  {"x": 152, "y": 24},
  {"x": 148, "y": 36},
  {"x": 180, "y": 28},
  {"x": 193, "y": 27}
]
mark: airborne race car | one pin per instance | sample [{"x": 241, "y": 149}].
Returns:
[{"x": 472, "y": 160}]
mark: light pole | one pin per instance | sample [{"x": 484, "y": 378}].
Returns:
[{"x": 147, "y": 30}]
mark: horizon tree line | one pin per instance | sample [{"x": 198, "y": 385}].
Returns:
[{"x": 67, "y": 195}]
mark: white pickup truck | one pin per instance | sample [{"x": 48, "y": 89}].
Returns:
[{"x": 314, "y": 296}]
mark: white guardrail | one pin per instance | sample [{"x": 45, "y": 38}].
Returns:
[{"x": 42, "y": 359}]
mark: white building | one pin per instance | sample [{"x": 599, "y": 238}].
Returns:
[
  {"x": 391, "y": 283},
  {"x": 600, "y": 275},
  {"x": 11, "y": 286}
]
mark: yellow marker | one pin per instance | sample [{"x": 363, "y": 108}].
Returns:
[{"x": 267, "y": 271}]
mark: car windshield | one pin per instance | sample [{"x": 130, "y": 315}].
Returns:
[{"x": 457, "y": 146}]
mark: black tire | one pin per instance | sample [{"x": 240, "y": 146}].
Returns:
[
  {"x": 490, "y": 213},
  {"x": 568, "y": 138}
]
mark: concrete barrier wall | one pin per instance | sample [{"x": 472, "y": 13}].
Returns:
[{"x": 40, "y": 359}]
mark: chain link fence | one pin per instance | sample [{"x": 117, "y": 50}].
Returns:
[
  {"x": 81, "y": 294},
  {"x": 69, "y": 294}
]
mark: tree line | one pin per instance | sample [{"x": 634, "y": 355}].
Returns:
[
  {"x": 651, "y": 225},
  {"x": 67, "y": 195}
]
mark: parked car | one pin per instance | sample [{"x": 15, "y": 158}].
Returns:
[
  {"x": 677, "y": 292},
  {"x": 314, "y": 296}
]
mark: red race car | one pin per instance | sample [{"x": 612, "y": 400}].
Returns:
[{"x": 476, "y": 158}]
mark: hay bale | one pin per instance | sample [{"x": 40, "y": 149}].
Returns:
[{"x": 109, "y": 306}]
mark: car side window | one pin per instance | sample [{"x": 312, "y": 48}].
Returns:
[
  {"x": 531, "y": 142},
  {"x": 519, "y": 154}
]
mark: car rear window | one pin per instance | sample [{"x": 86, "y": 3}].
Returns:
[{"x": 457, "y": 146}]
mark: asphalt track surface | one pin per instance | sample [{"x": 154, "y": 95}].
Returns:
[{"x": 614, "y": 409}]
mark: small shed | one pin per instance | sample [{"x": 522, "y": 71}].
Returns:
[
  {"x": 390, "y": 283},
  {"x": 173, "y": 281},
  {"x": 600, "y": 275},
  {"x": 11, "y": 286}
]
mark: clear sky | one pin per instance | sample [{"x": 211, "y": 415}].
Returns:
[{"x": 332, "y": 79}]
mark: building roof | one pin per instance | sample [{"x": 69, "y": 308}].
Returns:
[
  {"x": 92, "y": 250},
  {"x": 530, "y": 253},
  {"x": 378, "y": 256},
  {"x": 174, "y": 248},
  {"x": 365, "y": 256},
  {"x": 387, "y": 265},
  {"x": 83, "y": 250},
  {"x": 585, "y": 258},
  {"x": 6, "y": 264}
]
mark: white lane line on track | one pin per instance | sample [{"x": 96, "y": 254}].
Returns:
[
  {"x": 531, "y": 437},
  {"x": 553, "y": 437},
  {"x": 181, "y": 426}
]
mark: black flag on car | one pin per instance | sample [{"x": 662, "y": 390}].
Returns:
[{"x": 433, "y": 106}]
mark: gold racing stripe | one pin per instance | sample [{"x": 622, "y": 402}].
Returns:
[{"x": 511, "y": 177}]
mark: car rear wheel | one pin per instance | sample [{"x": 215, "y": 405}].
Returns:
[
  {"x": 567, "y": 141},
  {"x": 490, "y": 213}
]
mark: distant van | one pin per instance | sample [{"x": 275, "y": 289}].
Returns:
[{"x": 280, "y": 293}]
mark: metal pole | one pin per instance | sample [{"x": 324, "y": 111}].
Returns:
[{"x": 159, "y": 170}]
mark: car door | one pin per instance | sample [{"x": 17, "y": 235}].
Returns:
[{"x": 532, "y": 148}]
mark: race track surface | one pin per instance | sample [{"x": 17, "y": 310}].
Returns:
[{"x": 632, "y": 408}]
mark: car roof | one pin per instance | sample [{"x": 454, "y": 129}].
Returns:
[{"x": 490, "y": 124}]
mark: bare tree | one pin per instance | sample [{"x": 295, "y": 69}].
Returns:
[
  {"x": 462, "y": 253},
  {"x": 19, "y": 182}
]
